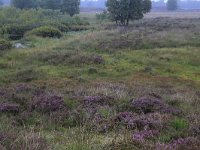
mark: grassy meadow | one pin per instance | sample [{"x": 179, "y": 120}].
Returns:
[{"x": 101, "y": 86}]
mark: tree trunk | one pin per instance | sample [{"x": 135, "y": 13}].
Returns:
[{"x": 127, "y": 22}]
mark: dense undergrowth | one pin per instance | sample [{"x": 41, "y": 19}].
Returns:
[{"x": 106, "y": 88}]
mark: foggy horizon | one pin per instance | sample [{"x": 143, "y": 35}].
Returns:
[{"x": 156, "y": 4}]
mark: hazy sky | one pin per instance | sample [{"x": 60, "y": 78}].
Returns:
[{"x": 152, "y": 0}]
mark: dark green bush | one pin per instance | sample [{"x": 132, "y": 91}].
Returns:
[
  {"x": 78, "y": 28},
  {"x": 16, "y": 32},
  {"x": 61, "y": 27},
  {"x": 179, "y": 124},
  {"x": 46, "y": 31},
  {"x": 4, "y": 44},
  {"x": 27, "y": 75}
]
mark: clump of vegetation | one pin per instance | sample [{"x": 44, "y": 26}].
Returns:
[
  {"x": 149, "y": 105},
  {"x": 143, "y": 135},
  {"x": 47, "y": 102},
  {"x": 98, "y": 100},
  {"x": 27, "y": 75},
  {"x": 15, "y": 31},
  {"x": 142, "y": 122},
  {"x": 69, "y": 57},
  {"x": 4, "y": 44},
  {"x": 179, "y": 124},
  {"x": 181, "y": 143},
  {"x": 8, "y": 107},
  {"x": 46, "y": 31}
]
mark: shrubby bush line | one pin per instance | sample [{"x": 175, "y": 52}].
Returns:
[
  {"x": 14, "y": 23},
  {"x": 46, "y": 31}
]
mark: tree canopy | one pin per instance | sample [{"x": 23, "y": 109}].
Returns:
[
  {"x": 66, "y": 6},
  {"x": 70, "y": 6},
  {"x": 25, "y": 4},
  {"x": 172, "y": 5},
  {"x": 50, "y": 4},
  {"x": 122, "y": 11}
]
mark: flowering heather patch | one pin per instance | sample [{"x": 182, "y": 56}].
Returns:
[
  {"x": 98, "y": 100},
  {"x": 2, "y": 136},
  {"x": 155, "y": 95},
  {"x": 133, "y": 121},
  {"x": 188, "y": 143},
  {"x": 99, "y": 123},
  {"x": 98, "y": 118},
  {"x": 149, "y": 105},
  {"x": 145, "y": 134},
  {"x": 9, "y": 107},
  {"x": 23, "y": 87},
  {"x": 2, "y": 92},
  {"x": 47, "y": 102},
  {"x": 198, "y": 93},
  {"x": 195, "y": 130},
  {"x": 17, "y": 93},
  {"x": 97, "y": 59}
]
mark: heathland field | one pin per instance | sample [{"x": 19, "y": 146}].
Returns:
[{"x": 94, "y": 85}]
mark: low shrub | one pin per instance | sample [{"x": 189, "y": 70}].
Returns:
[
  {"x": 145, "y": 134},
  {"x": 92, "y": 70},
  {"x": 46, "y": 31},
  {"x": 4, "y": 45},
  {"x": 61, "y": 27},
  {"x": 179, "y": 124},
  {"x": 47, "y": 102},
  {"x": 98, "y": 100},
  {"x": 69, "y": 57},
  {"x": 16, "y": 32},
  {"x": 189, "y": 143},
  {"x": 27, "y": 75},
  {"x": 78, "y": 28},
  {"x": 8, "y": 107},
  {"x": 150, "y": 105},
  {"x": 146, "y": 121}
]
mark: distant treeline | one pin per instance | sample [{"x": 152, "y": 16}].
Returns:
[{"x": 187, "y": 4}]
